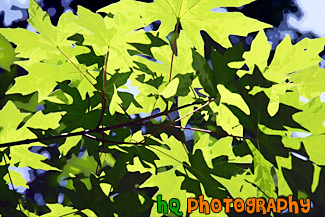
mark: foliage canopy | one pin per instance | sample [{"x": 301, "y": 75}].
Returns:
[{"x": 219, "y": 121}]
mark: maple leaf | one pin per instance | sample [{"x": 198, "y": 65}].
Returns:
[
  {"x": 189, "y": 14},
  {"x": 43, "y": 44}
]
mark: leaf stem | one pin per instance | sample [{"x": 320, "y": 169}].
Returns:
[
  {"x": 170, "y": 78},
  {"x": 173, "y": 51},
  {"x": 100, "y": 122},
  {"x": 77, "y": 68}
]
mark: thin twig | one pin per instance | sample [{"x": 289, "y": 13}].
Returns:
[
  {"x": 171, "y": 123},
  {"x": 111, "y": 141},
  {"x": 179, "y": 136},
  {"x": 257, "y": 187},
  {"x": 125, "y": 112},
  {"x": 149, "y": 122},
  {"x": 198, "y": 129},
  {"x": 70, "y": 213},
  {"x": 13, "y": 188},
  {"x": 168, "y": 156}
]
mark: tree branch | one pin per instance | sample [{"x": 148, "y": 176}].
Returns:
[
  {"x": 171, "y": 123},
  {"x": 104, "y": 99},
  {"x": 97, "y": 130},
  {"x": 111, "y": 141}
]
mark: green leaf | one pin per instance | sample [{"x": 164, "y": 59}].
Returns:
[
  {"x": 7, "y": 199},
  {"x": 242, "y": 143},
  {"x": 289, "y": 70},
  {"x": 16, "y": 178},
  {"x": 155, "y": 41},
  {"x": 309, "y": 81},
  {"x": 222, "y": 147},
  {"x": 190, "y": 98},
  {"x": 222, "y": 72},
  {"x": 69, "y": 143},
  {"x": 219, "y": 72},
  {"x": 262, "y": 174},
  {"x": 237, "y": 186},
  {"x": 205, "y": 74},
  {"x": 304, "y": 54},
  {"x": 171, "y": 89},
  {"x": 182, "y": 61},
  {"x": 77, "y": 114},
  {"x": 258, "y": 54},
  {"x": 111, "y": 35},
  {"x": 270, "y": 145},
  {"x": 203, "y": 173},
  {"x": 58, "y": 210},
  {"x": 43, "y": 45},
  {"x": 92, "y": 198},
  {"x": 7, "y": 54},
  {"x": 300, "y": 178},
  {"x": 280, "y": 181},
  {"x": 11, "y": 118},
  {"x": 115, "y": 103},
  {"x": 314, "y": 148},
  {"x": 44, "y": 77},
  {"x": 76, "y": 166},
  {"x": 170, "y": 187},
  {"x": 310, "y": 117},
  {"x": 189, "y": 14}
]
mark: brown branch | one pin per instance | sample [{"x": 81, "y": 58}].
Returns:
[
  {"x": 149, "y": 118},
  {"x": 172, "y": 60},
  {"x": 97, "y": 130},
  {"x": 100, "y": 122},
  {"x": 170, "y": 78},
  {"x": 104, "y": 99}
]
